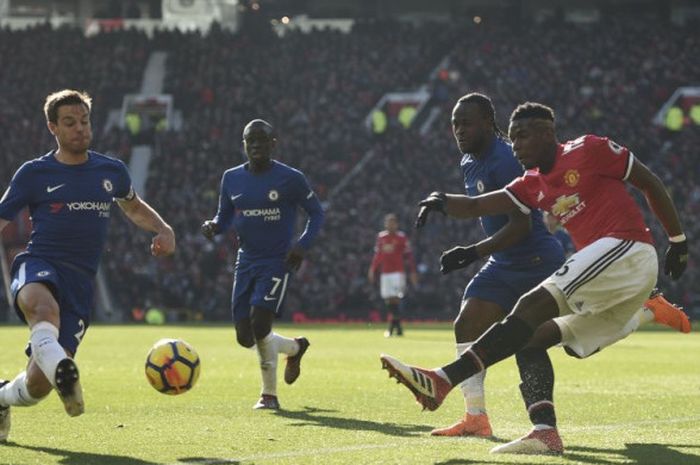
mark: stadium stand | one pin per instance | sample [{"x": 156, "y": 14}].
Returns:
[{"x": 317, "y": 88}]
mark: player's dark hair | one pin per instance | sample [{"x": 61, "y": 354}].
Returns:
[
  {"x": 259, "y": 123},
  {"x": 64, "y": 97},
  {"x": 487, "y": 109},
  {"x": 532, "y": 110}
]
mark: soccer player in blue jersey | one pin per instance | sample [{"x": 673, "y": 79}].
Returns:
[
  {"x": 521, "y": 252},
  {"x": 69, "y": 192},
  {"x": 260, "y": 199}
]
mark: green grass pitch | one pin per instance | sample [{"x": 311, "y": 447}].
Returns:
[{"x": 637, "y": 402}]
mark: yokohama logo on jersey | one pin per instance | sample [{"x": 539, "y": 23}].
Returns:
[
  {"x": 269, "y": 214},
  {"x": 101, "y": 206}
]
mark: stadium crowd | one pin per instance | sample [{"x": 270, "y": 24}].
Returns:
[{"x": 316, "y": 88}]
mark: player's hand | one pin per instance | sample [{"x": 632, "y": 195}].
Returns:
[
  {"x": 457, "y": 257},
  {"x": 435, "y": 201},
  {"x": 294, "y": 257},
  {"x": 209, "y": 229},
  {"x": 676, "y": 259},
  {"x": 163, "y": 243}
]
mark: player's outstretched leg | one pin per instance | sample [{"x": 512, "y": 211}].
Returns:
[
  {"x": 537, "y": 441},
  {"x": 4, "y": 417},
  {"x": 667, "y": 313},
  {"x": 68, "y": 387},
  {"x": 293, "y": 368},
  {"x": 428, "y": 386}
]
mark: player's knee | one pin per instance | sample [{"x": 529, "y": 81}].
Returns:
[
  {"x": 468, "y": 328},
  {"x": 461, "y": 326},
  {"x": 261, "y": 329},
  {"x": 245, "y": 339},
  {"x": 38, "y": 304},
  {"x": 536, "y": 307}
]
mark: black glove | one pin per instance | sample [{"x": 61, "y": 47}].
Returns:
[
  {"x": 209, "y": 229},
  {"x": 456, "y": 258},
  {"x": 435, "y": 201},
  {"x": 676, "y": 259}
]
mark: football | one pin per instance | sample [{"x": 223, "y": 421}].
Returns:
[{"x": 172, "y": 366}]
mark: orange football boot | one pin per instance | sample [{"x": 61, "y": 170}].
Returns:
[
  {"x": 667, "y": 313},
  {"x": 470, "y": 425}
]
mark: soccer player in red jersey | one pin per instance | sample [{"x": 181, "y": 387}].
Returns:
[
  {"x": 591, "y": 302},
  {"x": 392, "y": 255}
]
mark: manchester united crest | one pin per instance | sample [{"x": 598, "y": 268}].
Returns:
[{"x": 571, "y": 177}]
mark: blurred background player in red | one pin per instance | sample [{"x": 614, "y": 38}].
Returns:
[{"x": 392, "y": 256}]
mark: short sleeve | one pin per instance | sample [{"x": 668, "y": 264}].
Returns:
[
  {"x": 609, "y": 158},
  {"x": 123, "y": 190},
  {"x": 522, "y": 191},
  {"x": 302, "y": 189},
  {"x": 18, "y": 193}
]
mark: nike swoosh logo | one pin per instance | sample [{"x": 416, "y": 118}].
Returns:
[
  {"x": 50, "y": 189},
  {"x": 234, "y": 197},
  {"x": 269, "y": 299}
]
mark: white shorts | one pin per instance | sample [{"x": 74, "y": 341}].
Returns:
[
  {"x": 599, "y": 290},
  {"x": 392, "y": 285}
]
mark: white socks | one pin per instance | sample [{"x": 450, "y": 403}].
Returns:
[
  {"x": 15, "y": 393},
  {"x": 46, "y": 350},
  {"x": 286, "y": 345},
  {"x": 643, "y": 315},
  {"x": 267, "y": 354},
  {"x": 472, "y": 388},
  {"x": 268, "y": 348}
]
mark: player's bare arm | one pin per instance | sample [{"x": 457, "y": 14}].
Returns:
[
  {"x": 145, "y": 217},
  {"x": 3, "y": 223},
  {"x": 662, "y": 205},
  {"x": 657, "y": 197}
]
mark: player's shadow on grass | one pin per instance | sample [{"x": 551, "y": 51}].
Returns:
[
  {"x": 635, "y": 454},
  {"x": 70, "y": 457},
  {"x": 639, "y": 454},
  {"x": 207, "y": 461},
  {"x": 316, "y": 417}
]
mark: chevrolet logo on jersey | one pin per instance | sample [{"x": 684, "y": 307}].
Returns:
[
  {"x": 566, "y": 207},
  {"x": 564, "y": 203}
]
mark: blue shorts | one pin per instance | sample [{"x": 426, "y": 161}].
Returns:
[
  {"x": 505, "y": 284},
  {"x": 72, "y": 289},
  {"x": 259, "y": 284}
]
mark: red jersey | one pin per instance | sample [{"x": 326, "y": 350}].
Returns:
[
  {"x": 390, "y": 251},
  {"x": 585, "y": 190}
]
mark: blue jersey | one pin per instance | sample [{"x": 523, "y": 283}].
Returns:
[
  {"x": 493, "y": 172},
  {"x": 262, "y": 207},
  {"x": 69, "y": 206}
]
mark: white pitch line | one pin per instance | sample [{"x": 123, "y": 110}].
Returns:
[{"x": 361, "y": 447}]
